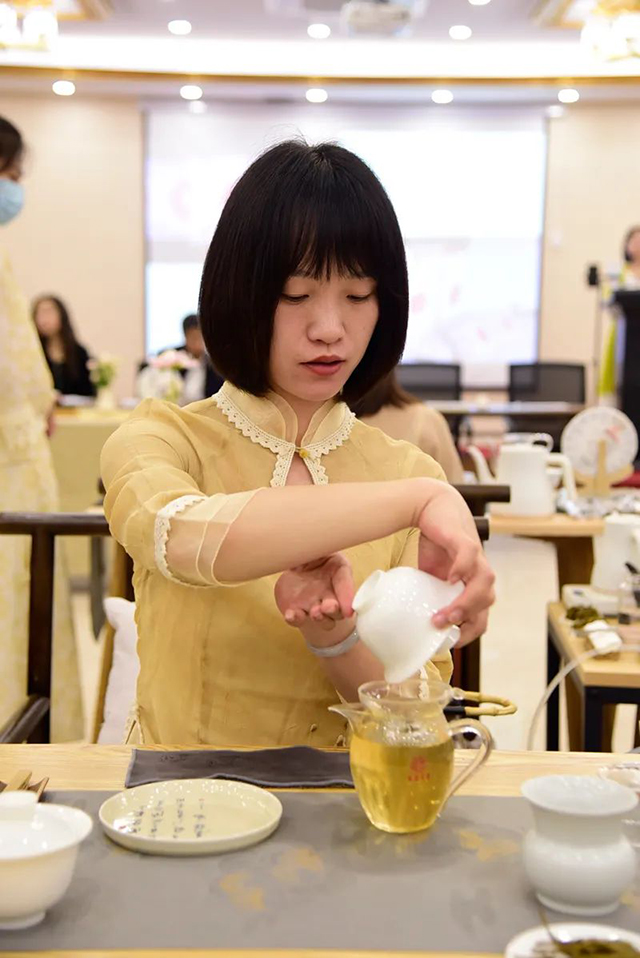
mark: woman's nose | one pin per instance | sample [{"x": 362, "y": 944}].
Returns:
[{"x": 326, "y": 325}]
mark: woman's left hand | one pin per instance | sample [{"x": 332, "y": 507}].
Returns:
[{"x": 318, "y": 593}]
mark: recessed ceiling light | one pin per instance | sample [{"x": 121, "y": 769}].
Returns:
[
  {"x": 479, "y": 3},
  {"x": 197, "y": 106},
  {"x": 555, "y": 111},
  {"x": 191, "y": 92},
  {"x": 179, "y": 28},
  {"x": 568, "y": 96},
  {"x": 442, "y": 96},
  {"x": 64, "y": 88},
  {"x": 317, "y": 95},
  {"x": 460, "y": 32},
  {"x": 319, "y": 31}
]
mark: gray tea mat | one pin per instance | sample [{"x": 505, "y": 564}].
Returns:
[
  {"x": 325, "y": 879},
  {"x": 296, "y": 767}
]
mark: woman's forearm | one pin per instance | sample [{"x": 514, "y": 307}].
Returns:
[{"x": 283, "y": 528}]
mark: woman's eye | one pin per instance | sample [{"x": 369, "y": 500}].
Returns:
[
  {"x": 360, "y": 299},
  {"x": 294, "y": 299}
]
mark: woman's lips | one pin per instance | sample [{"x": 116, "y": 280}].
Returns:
[{"x": 323, "y": 368}]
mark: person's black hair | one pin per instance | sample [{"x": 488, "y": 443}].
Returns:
[
  {"x": 625, "y": 247},
  {"x": 300, "y": 208},
  {"x": 190, "y": 322},
  {"x": 387, "y": 392},
  {"x": 67, "y": 335},
  {"x": 11, "y": 144}
]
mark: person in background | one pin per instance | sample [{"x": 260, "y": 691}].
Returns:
[
  {"x": 201, "y": 381},
  {"x": 27, "y": 479},
  {"x": 403, "y": 416},
  {"x": 66, "y": 357},
  {"x": 627, "y": 278},
  {"x": 630, "y": 278}
]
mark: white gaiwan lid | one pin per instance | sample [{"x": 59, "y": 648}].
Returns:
[{"x": 28, "y": 830}]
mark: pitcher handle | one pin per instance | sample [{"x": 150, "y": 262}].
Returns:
[
  {"x": 568, "y": 476},
  {"x": 459, "y": 728}
]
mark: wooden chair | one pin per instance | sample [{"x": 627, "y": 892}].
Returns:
[
  {"x": 477, "y": 497},
  {"x": 31, "y": 723}
]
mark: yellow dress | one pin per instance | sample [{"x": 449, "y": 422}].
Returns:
[
  {"x": 28, "y": 484},
  {"x": 218, "y": 665}
]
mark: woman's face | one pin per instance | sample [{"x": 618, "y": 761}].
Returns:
[
  {"x": 633, "y": 247},
  {"x": 321, "y": 331},
  {"x": 48, "y": 322}
]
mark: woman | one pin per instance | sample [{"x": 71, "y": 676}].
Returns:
[
  {"x": 628, "y": 278},
  {"x": 235, "y": 509},
  {"x": 27, "y": 479},
  {"x": 403, "y": 416},
  {"x": 67, "y": 359}
]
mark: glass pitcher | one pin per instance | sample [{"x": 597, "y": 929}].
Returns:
[{"x": 401, "y": 752}]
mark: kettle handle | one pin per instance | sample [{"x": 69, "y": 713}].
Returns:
[
  {"x": 459, "y": 728},
  {"x": 568, "y": 475}
]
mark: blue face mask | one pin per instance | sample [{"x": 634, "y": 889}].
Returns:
[{"x": 11, "y": 200}]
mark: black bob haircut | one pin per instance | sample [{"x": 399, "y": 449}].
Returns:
[{"x": 299, "y": 208}]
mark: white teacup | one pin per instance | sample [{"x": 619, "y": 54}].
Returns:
[
  {"x": 395, "y": 610},
  {"x": 38, "y": 851}
]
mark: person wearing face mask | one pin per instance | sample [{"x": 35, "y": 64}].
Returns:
[{"x": 27, "y": 479}]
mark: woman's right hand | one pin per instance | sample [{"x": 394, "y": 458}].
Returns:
[{"x": 450, "y": 549}]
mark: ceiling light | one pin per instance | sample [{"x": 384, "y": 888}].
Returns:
[
  {"x": 460, "y": 32},
  {"x": 442, "y": 96},
  {"x": 191, "y": 92},
  {"x": 197, "y": 106},
  {"x": 317, "y": 95},
  {"x": 319, "y": 31},
  {"x": 479, "y": 3},
  {"x": 568, "y": 96},
  {"x": 555, "y": 111},
  {"x": 64, "y": 88},
  {"x": 179, "y": 28}
]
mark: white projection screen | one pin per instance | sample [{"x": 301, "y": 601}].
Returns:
[{"x": 467, "y": 185}]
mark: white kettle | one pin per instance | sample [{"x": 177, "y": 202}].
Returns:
[
  {"x": 619, "y": 543},
  {"x": 530, "y": 469}
]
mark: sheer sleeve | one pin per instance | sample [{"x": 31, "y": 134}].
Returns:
[{"x": 154, "y": 503}]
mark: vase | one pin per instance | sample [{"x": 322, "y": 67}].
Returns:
[{"x": 105, "y": 398}]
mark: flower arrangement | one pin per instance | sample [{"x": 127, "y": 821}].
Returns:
[
  {"x": 176, "y": 359},
  {"x": 162, "y": 378},
  {"x": 103, "y": 371}
]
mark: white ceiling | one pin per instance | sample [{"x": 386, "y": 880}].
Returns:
[
  {"x": 260, "y": 49},
  {"x": 504, "y": 20}
]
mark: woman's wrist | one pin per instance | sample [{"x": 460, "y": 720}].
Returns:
[{"x": 323, "y": 638}]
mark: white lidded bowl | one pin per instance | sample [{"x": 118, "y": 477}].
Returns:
[
  {"x": 38, "y": 851},
  {"x": 395, "y": 609}
]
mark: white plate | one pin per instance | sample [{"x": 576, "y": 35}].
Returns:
[
  {"x": 190, "y": 817},
  {"x": 525, "y": 944}
]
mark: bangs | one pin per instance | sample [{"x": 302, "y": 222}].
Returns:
[{"x": 334, "y": 233}]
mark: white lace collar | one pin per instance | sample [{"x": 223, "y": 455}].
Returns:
[{"x": 272, "y": 424}]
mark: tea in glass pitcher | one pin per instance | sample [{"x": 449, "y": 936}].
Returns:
[{"x": 401, "y": 752}]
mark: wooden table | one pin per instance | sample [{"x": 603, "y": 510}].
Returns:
[
  {"x": 462, "y": 407},
  {"x": 572, "y": 538},
  {"x": 607, "y": 680},
  {"x": 103, "y": 768}
]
